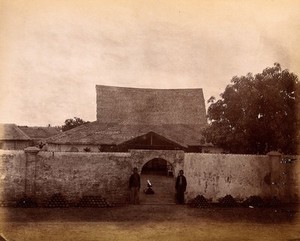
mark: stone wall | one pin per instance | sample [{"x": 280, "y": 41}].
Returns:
[
  {"x": 241, "y": 176},
  {"x": 79, "y": 174},
  {"x": 41, "y": 174},
  {"x": 12, "y": 174}
]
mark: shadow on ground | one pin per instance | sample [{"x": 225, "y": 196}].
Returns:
[{"x": 138, "y": 213}]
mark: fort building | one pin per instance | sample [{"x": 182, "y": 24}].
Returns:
[{"x": 136, "y": 118}]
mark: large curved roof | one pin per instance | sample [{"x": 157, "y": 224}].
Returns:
[{"x": 124, "y": 105}]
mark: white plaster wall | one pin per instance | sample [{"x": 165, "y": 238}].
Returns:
[
  {"x": 212, "y": 175},
  {"x": 12, "y": 174},
  {"x": 217, "y": 175}
]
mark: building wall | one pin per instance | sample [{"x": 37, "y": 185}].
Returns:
[
  {"x": 41, "y": 174},
  {"x": 15, "y": 145},
  {"x": 70, "y": 148},
  {"x": 212, "y": 149}
]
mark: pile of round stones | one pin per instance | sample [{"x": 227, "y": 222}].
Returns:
[
  {"x": 228, "y": 201},
  {"x": 57, "y": 201},
  {"x": 199, "y": 202},
  {"x": 26, "y": 202},
  {"x": 93, "y": 201}
]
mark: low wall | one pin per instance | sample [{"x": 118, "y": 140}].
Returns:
[
  {"x": 12, "y": 174},
  {"x": 78, "y": 174},
  {"x": 241, "y": 176},
  {"x": 41, "y": 174}
]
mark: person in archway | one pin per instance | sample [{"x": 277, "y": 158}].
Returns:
[
  {"x": 180, "y": 186},
  {"x": 135, "y": 185}
]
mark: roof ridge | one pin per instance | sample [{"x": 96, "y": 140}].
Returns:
[
  {"x": 22, "y": 132},
  {"x": 145, "y": 88}
]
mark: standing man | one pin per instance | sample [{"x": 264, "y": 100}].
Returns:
[
  {"x": 135, "y": 185},
  {"x": 180, "y": 187}
]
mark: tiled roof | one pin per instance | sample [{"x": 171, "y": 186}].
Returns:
[
  {"x": 100, "y": 133},
  {"x": 40, "y": 132},
  {"x": 11, "y": 132}
]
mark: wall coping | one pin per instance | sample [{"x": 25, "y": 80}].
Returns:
[
  {"x": 65, "y": 153},
  {"x": 224, "y": 154},
  {"x": 10, "y": 151},
  {"x": 32, "y": 149},
  {"x": 154, "y": 151}
]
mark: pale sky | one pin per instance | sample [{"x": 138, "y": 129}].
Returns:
[{"x": 54, "y": 52}]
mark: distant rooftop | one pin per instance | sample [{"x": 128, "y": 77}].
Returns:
[
  {"x": 37, "y": 132},
  {"x": 11, "y": 132}
]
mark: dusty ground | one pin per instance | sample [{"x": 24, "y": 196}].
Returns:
[{"x": 149, "y": 222}]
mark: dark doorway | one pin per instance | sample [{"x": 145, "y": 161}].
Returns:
[{"x": 158, "y": 166}]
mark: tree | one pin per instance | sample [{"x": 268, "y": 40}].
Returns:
[
  {"x": 256, "y": 113},
  {"x": 72, "y": 123}
]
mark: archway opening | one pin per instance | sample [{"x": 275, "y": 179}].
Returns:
[
  {"x": 158, "y": 166},
  {"x": 159, "y": 173}
]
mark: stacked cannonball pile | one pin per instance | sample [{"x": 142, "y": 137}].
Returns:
[
  {"x": 57, "y": 201},
  {"x": 274, "y": 202},
  {"x": 254, "y": 201},
  {"x": 26, "y": 202},
  {"x": 228, "y": 201},
  {"x": 93, "y": 201},
  {"x": 199, "y": 202}
]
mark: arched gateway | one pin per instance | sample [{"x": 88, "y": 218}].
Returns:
[
  {"x": 161, "y": 168},
  {"x": 160, "y": 174},
  {"x": 158, "y": 167}
]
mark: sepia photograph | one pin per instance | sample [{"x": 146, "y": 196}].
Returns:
[{"x": 149, "y": 120}]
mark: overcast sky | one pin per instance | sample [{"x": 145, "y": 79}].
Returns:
[{"x": 54, "y": 52}]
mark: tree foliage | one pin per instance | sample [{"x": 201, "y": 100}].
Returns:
[
  {"x": 72, "y": 123},
  {"x": 256, "y": 113}
]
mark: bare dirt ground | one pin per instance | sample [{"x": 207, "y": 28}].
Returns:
[{"x": 149, "y": 222}]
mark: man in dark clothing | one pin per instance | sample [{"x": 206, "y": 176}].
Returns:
[
  {"x": 180, "y": 187},
  {"x": 134, "y": 185}
]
